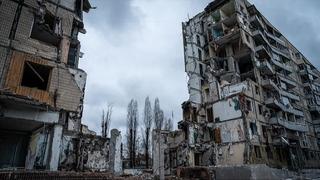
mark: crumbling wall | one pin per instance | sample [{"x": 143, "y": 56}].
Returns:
[{"x": 86, "y": 153}]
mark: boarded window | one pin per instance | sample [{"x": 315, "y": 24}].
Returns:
[
  {"x": 35, "y": 76},
  {"x": 217, "y": 135}
]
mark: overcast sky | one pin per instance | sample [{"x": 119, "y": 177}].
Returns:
[{"x": 133, "y": 49}]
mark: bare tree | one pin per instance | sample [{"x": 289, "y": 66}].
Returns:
[
  {"x": 132, "y": 125},
  {"x": 106, "y": 120},
  {"x": 158, "y": 115},
  {"x": 147, "y": 121},
  {"x": 168, "y": 125}
]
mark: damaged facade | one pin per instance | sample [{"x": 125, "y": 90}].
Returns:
[
  {"x": 253, "y": 97},
  {"x": 42, "y": 88}
]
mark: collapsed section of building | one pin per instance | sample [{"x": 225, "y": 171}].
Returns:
[
  {"x": 253, "y": 97},
  {"x": 42, "y": 89}
]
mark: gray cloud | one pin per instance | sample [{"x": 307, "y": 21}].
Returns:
[
  {"x": 298, "y": 21},
  {"x": 133, "y": 49}
]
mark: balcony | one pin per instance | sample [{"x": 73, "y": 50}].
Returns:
[
  {"x": 278, "y": 40},
  {"x": 289, "y": 124},
  {"x": 269, "y": 84},
  {"x": 282, "y": 65},
  {"x": 290, "y": 95},
  {"x": 308, "y": 71},
  {"x": 274, "y": 103},
  {"x": 233, "y": 35},
  {"x": 260, "y": 37},
  {"x": 262, "y": 52},
  {"x": 266, "y": 68},
  {"x": 314, "y": 107},
  {"x": 284, "y": 53},
  {"x": 287, "y": 80},
  {"x": 255, "y": 20}
]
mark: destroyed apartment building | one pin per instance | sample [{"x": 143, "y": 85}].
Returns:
[
  {"x": 253, "y": 97},
  {"x": 42, "y": 90}
]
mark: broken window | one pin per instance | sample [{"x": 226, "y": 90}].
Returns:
[
  {"x": 257, "y": 151},
  {"x": 73, "y": 57},
  {"x": 253, "y": 128},
  {"x": 264, "y": 131},
  {"x": 35, "y": 76},
  {"x": 47, "y": 28},
  {"x": 248, "y": 105},
  {"x": 209, "y": 114}
]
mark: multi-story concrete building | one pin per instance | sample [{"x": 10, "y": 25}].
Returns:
[
  {"x": 41, "y": 86},
  {"x": 254, "y": 98}
]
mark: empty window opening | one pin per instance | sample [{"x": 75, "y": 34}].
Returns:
[
  {"x": 209, "y": 114},
  {"x": 264, "y": 131},
  {"x": 197, "y": 159},
  {"x": 245, "y": 65},
  {"x": 253, "y": 128},
  {"x": 269, "y": 152},
  {"x": 200, "y": 54},
  {"x": 201, "y": 69},
  {"x": 260, "y": 109},
  {"x": 198, "y": 40},
  {"x": 257, "y": 90},
  {"x": 73, "y": 57},
  {"x": 257, "y": 151},
  {"x": 35, "y": 76},
  {"x": 223, "y": 64},
  {"x": 47, "y": 29},
  {"x": 248, "y": 105}
]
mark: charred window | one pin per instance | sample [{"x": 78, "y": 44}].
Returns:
[
  {"x": 47, "y": 28},
  {"x": 35, "y": 76}
]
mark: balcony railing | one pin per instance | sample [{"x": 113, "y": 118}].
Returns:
[
  {"x": 266, "y": 68},
  {"x": 282, "y": 65},
  {"x": 274, "y": 103},
  {"x": 268, "y": 83},
  {"x": 289, "y": 124}
]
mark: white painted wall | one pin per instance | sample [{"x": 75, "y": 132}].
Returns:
[{"x": 227, "y": 109}]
